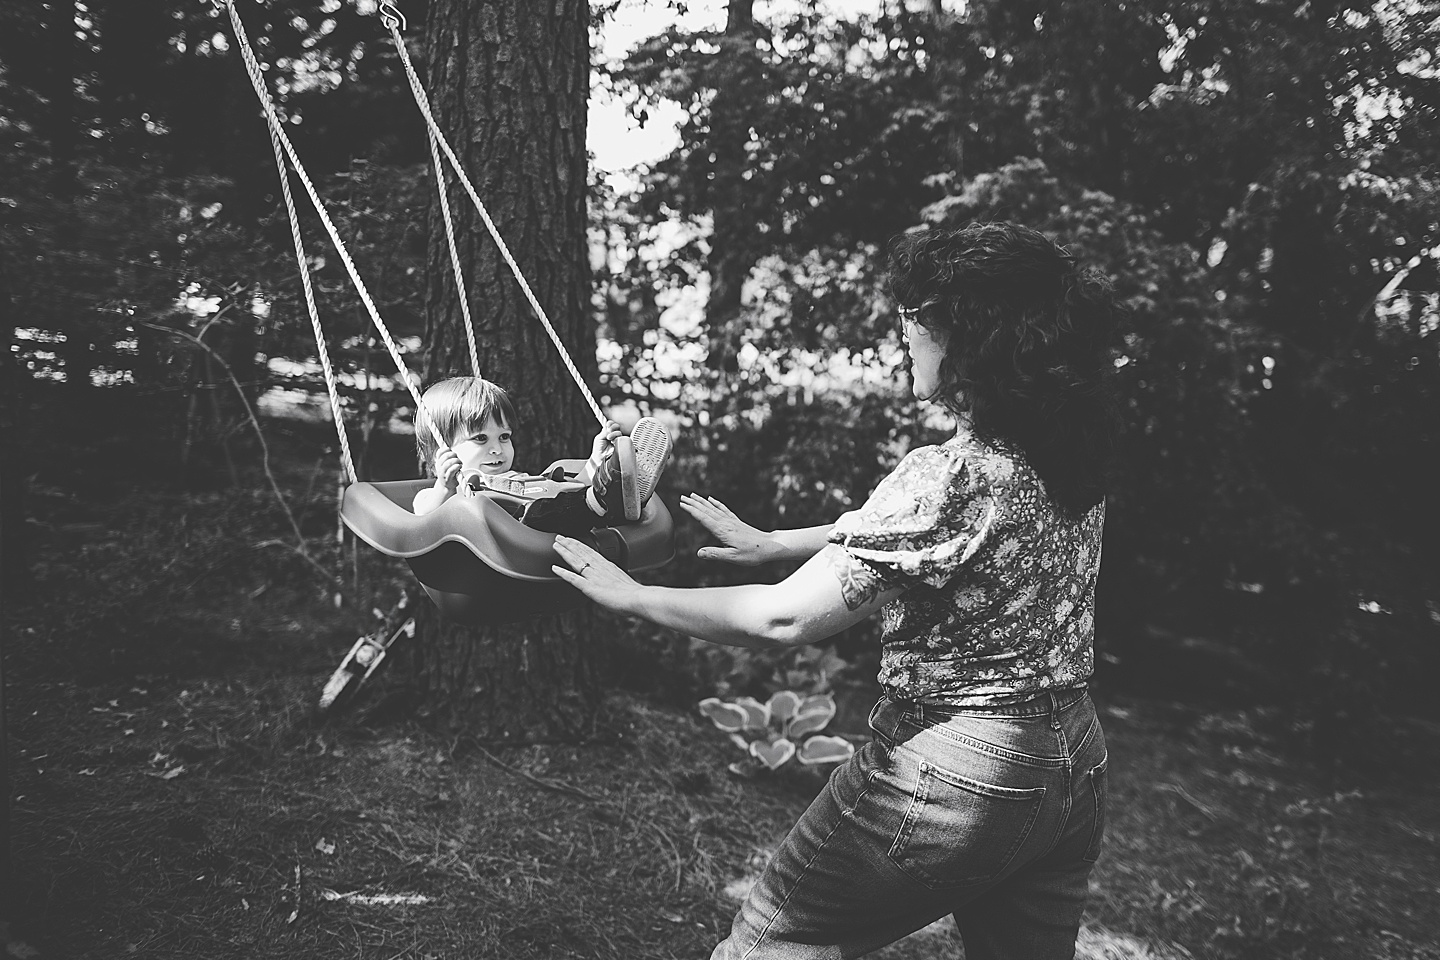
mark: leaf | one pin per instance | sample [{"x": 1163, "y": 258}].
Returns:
[
  {"x": 782, "y": 705},
  {"x": 825, "y": 749},
  {"x": 773, "y": 754},
  {"x": 726, "y": 716},
  {"x": 814, "y": 713},
  {"x": 817, "y": 701},
  {"x": 830, "y": 664},
  {"x": 758, "y": 713},
  {"x": 746, "y": 769}
]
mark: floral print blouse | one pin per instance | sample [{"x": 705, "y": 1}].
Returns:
[{"x": 1000, "y": 604}]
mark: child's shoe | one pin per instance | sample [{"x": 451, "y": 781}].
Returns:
[
  {"x": 652, "y": 451},
  {"x": 627, "y": 478}
]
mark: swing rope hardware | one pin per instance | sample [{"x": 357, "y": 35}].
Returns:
[{"x": 391, "y": 16}]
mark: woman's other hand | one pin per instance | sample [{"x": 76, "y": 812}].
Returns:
[
  {"x": 596, "y": 577},
  {"x": 741, "y": 543}
]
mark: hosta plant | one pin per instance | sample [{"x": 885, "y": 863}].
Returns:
[{"x": 784, "y": 728}]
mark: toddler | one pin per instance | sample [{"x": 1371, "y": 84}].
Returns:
[{"x": 478, "y": 419}]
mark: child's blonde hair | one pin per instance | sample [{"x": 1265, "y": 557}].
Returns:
[{"x": 461, "y": 402}]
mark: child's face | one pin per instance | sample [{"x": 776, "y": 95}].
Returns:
[{"x": 486, "y": 448}]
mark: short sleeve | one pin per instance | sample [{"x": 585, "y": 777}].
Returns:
[{"x": 925, "y": 520}]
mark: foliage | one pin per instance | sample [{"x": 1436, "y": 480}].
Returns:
[
  {"x": 1251, "y": 177},
  {"x": 1248, "y": 177},
  {"x": 140, "y": 193},
  {"x": 771, "y": 734}
]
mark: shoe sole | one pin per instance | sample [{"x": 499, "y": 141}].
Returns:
[
  {"x": 651, "y": 445},
  {"x": 629, "y": 489}
]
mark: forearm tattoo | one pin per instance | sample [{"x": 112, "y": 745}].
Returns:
[{"x": 859, "y": 584}]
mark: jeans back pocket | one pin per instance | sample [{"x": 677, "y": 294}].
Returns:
[
  {"x": 960, "y": 832},
  {"x": 1099, "y": 789}
]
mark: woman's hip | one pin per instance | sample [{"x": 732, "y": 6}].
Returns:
[
  {"x": 974, "y": 795},
  {"x": 1024, "y": 743}
]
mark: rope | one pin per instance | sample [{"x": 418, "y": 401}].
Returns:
[
  {"x": 392, "y": 19},
  {"x": 321, "y": 348},
  {"x": 388, "y": 14},
  {"x": 454, "y": 255},
  {"x": 257, "y": 81}
]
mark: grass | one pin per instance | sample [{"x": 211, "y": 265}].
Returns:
[{"x": 177, "y": 795}]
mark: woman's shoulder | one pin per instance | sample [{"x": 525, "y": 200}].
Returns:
[
  {"x": 965, "y": 458},
  {"x": 928, "y": 484}
]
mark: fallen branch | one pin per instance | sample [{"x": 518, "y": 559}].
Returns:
[
  {"x": 303, "y": 555},
  {"x": 552, "y": 785}
]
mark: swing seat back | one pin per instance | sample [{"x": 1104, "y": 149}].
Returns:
[{"x": 479, "y": 564}]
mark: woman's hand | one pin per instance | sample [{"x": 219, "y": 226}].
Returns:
[
  {"x": 743, "y": 544},
  {"x": 596, "y": 577}
]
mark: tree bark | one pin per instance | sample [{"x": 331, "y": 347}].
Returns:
[
  {"x": 509, "y": 81},
  {"x": 731, "y": 248}
]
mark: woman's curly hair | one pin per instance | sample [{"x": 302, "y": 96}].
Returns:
[{"x": 1028, "y": 346}]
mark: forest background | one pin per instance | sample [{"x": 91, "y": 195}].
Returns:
[{"x": 1260, "y": 181}]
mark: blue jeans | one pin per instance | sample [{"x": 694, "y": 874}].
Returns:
[{"x": 992, "y": 814}]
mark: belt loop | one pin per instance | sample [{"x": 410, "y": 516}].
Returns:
[
  {"x": 919, "y": 713},
  {"x": 1054, "y": 711}
]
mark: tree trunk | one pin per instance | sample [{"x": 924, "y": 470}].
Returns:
[
  {"x": 731, "y": 244},
  {"x": 509, "y": 82}
]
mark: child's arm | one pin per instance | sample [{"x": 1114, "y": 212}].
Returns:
[
  {"x": 605, "y": 439},
  {"x": 430, "y": 498},
  {"x": 447, "y": 477}
]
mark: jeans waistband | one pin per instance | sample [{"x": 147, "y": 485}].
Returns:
[
  {"x": 890, "y": 712},
  {"x": 1042, "y": 705}
]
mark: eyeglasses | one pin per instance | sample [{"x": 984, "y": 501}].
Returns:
[{"x": 909, "y": 317}]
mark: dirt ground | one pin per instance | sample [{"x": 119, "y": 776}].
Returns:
[
  {"x": 177, "y": 793},
  {"x": 221, "y": 817}
]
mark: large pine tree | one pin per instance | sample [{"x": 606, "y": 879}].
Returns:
[{"x": 509, "y": 81}]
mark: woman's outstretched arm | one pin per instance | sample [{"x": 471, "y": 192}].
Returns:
[
  {"x": 746, "y": 545},
  {"x": 830, "y": 592}
]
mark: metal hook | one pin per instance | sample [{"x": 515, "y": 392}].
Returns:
[{"x": 391, "y": 16}]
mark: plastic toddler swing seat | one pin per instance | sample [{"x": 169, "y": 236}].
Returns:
[{"x": 479, "y": 564}]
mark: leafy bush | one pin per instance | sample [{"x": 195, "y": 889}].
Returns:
[{"x": 784, "y": 728}]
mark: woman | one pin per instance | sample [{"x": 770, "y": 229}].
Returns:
[{"x": 983, "y": 793}]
